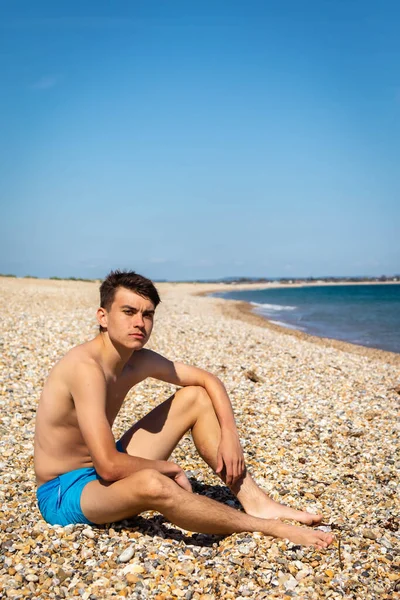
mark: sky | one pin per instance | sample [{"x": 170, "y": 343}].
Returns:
[{"x": 201, "y": 139}]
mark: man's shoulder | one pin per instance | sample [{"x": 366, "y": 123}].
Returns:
[
  {"x": 138, "y": 361},
  {"x": 143, "y": 362},
  {"x": 144, "y": 357},
  {"x": 147, "y": 363},
  {"x": 79, "y": 360},
  {"x": 81, "y": 352},
  {"x": 140, "y": 355}
]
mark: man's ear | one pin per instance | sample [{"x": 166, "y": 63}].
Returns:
[{"x": 102, "y": 317}]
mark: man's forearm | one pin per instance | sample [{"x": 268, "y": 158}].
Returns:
[
  {"x": 222, "y": 405},
  {"x": 122, "y": 465}
]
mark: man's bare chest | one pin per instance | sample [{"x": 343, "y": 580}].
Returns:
[{"x": 117, "y": 392}]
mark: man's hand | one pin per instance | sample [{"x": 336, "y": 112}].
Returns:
[
  {"x": 230, "y": 456},
  {"x": 182, "y": 480},
  {"x": 173, "y": 471}
]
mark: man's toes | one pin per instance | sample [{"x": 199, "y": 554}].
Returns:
[
  {"x": 316, "y": 519},
  {"x": 311, "y": 519},
  {"x": 320, "y": 540},
  {"x": 325, "y": 538}
]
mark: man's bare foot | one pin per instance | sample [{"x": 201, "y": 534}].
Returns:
[
  {"x": 266, "y": 508},
  {"x": 303, "y": 536}
]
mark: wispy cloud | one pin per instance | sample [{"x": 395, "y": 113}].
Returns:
[{"x": 44, "y": 83}]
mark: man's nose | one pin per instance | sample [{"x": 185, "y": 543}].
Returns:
[{"x": 139, "y": 321}]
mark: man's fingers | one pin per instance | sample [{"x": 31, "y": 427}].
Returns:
[
  {"x": 185, "y": 485},
  {"x": 234, "y": 468},
  {"x": 239, "y": 471},
  {"x": 232, "y": 473},
  {"x": 183, "y": 482},
  {"x": 227, "y": 474}
]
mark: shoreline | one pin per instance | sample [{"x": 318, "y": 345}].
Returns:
[
  {"x": 244, "y": 311},
  {"x": 220, "y": 284},
  {"x": 233, "y": 309}
]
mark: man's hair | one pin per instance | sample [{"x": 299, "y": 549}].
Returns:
[{"x": 130, "y": 280}]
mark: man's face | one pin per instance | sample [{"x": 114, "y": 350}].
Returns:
[{"x": 129, "y": 320}]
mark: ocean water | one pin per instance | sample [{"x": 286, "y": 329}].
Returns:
[{"x": 368, "y": 315}]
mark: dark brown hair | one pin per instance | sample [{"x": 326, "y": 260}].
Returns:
[{"x": 130, "y": 280}]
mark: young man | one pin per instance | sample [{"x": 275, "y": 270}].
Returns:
[{"x": 83, "y": 476}]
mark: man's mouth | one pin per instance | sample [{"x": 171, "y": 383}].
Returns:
[{"x": 137, "y": 335}]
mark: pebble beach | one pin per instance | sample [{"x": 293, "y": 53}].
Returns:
[{"x": 318, "y": 421}]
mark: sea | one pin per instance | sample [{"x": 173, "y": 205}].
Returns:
[{"x": 368, "y": 315}]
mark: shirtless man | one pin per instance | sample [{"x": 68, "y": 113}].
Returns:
[{"x": 83, "y": 476}]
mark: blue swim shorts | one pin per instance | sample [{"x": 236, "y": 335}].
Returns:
[{"x": 59, "y": 499}]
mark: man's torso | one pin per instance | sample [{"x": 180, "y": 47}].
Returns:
[{"x": 59, "y": 445}]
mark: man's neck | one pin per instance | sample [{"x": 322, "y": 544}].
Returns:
[{"x": 114, "y": 357}]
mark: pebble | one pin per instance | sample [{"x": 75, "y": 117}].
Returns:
[
  {"x": 89, "y": 533},
  {"x": 127, "y": 554},
  {"x": 320, "y": 431},
  {"x": 369, "y": 534},
  {"x": 288, "y": 582}
]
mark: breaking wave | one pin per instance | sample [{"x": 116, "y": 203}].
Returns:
[{"x": 276, "y": 307}]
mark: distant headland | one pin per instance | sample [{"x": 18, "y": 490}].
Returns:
[{"x": 245, "y": 280}]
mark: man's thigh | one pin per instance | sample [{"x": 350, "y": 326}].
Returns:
[
  {"x": 156, "y": 435},
  {"x": 107, "y": 502}
]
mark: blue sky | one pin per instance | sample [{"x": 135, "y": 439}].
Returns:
[{"x": 200, "y": 139}]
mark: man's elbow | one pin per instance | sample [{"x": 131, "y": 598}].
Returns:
[
  {"x": 106, "y": 469},
  {"x": 211, "y": 379},
  {"x": 106, "y": 475}
]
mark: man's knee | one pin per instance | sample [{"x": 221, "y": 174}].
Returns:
[
  {"x": 197, "y": 397},
  {"x": 153, "y": 486}
]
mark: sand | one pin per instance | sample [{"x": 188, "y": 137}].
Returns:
[{"x": 318, "y": 422}]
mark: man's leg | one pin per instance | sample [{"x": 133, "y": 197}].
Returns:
[
  {"x": 150, "y": 490},
  {"x": 156, "y": 435}
]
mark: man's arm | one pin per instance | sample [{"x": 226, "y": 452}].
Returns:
[
  {"x": 230, "y": 453},
  {"x": 180, "y": 374},
  {"x": 89, "y": 392}
]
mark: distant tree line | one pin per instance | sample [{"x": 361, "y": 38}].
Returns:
[
  {"x": 236, "y": 280},
  {"x": 70, "y": 278},
  {"x": 54, "y": 277}
]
